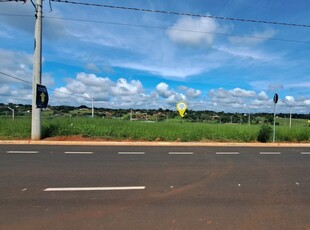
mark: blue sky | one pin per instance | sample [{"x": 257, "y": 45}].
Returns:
[{"x": 134, "y": 59}]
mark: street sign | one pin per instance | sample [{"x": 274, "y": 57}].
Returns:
[
  {"x": 275, "y": 98},
  {"x": 42, "y": 96}
]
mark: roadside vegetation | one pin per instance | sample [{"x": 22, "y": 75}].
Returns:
[
  {"x": 153, "y": 125},
  {"x": 171, "y": 130}
]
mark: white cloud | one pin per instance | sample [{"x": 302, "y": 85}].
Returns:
[
  {"x": 182, "y": 31},
  {"x": 275, "y": 87},
  {"x": 234, "y": 93},
  {"x": 93, "y": 80},
  {"x": 92, "y": 67},
  {"x": 171, "y": 97},
  {"x": 299, "y": 84},
  {"x": 102, "y": 89},
  {"x": 48, "y": 80},
  {"x": 125, "y": 88},
  {"x": 249, "y": 53},
  {"x": 4, "y": 90},
  {"x": 170, "y": 70},
  {"x": 254, "y": 38},
  {"x": 163, "y": 90},
  {"x": 52, "y": 28},
  {"x": 172, "y": 100},
  {"x": 4, "y": 34},
  {"x": 262, "y": 96},
  {"x": 239, "y": 100},
  {"x": 17, "y": 64},
  {"x": 190, "y": 92},
  {"x": 289, "y": 99}
]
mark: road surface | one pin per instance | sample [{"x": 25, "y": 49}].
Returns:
[{"x": 102, "y": 187}]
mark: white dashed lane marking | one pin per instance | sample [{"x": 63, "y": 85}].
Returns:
[
  {"x": 227, "y": 153},
  {"x": 79, "y": 152},
  {"x": 76, "y": 189},
  {"x": 269, "y": 153},
  {"x": 21, "y": 152},
  {"x": 181, "y": 153},
  {"x": 305, "y": 153},
  {"x": 131, "y": 153}
]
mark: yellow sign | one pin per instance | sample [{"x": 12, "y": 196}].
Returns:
[
  {"x": 42, "y": 95},
  {"x": 181, "y": 107}
]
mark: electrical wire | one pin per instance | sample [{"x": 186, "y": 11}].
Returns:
[
  {"x": 181, "y": 13},
  {"x": 159, "y": 27},
  {"x": 17, "y": 15},
  {"x": 13, "y": 1},
  {"x": 16, "y": 78},
  {"x": 174, "y": 29},
  {"x": 28, "y": 82}
]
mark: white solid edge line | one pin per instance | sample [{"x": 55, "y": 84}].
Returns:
[
  {"x": 79, "y": 152},
  {"x": 181, "y": 153},
  {"x": 22, "y": 152},
  {"x": 227, "y": 153},
  {"x": 305, "y": 153},
  {"x": 269, "y": 153},
  {"x": 73, "y": 189},
  {"x": 131, "y": 153}
]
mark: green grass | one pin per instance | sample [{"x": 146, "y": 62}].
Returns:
[
  {"x": 295, "y": 122},
  {"x": 20, "y": 128},
  {"x": 114, "y": 129}
]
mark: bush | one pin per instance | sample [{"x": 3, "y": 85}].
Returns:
[
  {"x": 50, "y": 131},
  {"x": 264, "y": 133}
]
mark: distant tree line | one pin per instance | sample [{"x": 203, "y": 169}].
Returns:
[{"x": 150, "y": 114}]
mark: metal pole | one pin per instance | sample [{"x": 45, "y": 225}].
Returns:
[
  {"x": 249, "y": 119},
  {"x": 92, "y": 108},
  {"x": 290, "y": 113},
  {"x": 290, "y": 117},
  {"x": 274, "y": 123},
  {"x": 37, "y": 72},
  {"x": 13, "y": 112}
]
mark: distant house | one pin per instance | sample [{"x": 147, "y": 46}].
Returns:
[{"x": 215, "y": 117}]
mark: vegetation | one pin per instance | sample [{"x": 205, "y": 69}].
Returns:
[
  {"x": 152, "y": 125},
  {"x": 118, "y": 129},
  {"x": 264, "y": 133}
]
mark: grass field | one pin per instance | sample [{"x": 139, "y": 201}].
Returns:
[{"x": 113, "y": 129}]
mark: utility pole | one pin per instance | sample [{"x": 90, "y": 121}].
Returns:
[
  {"x": 290, "y": 112},
  {"x": 92, "y": 104},
  {"x": 249, "y": 118},
  {"x": 37, "y": 72},
  {"x": 13, "y": 112}
]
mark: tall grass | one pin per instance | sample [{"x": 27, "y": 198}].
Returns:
[
  {"x": 19, "y": 128},
  {"x": 112, "y": 129}
]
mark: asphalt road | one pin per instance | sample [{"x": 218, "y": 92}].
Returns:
[{"x": 102, "y": 187}]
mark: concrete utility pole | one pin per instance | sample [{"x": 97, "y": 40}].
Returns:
[
  {"x": 290, "y": 112},
  {"x": 92, "y": 104},
  {"x": 13, "y": 112},
  {"x": 37, "y": 72}
]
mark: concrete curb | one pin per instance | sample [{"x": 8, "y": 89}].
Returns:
[{"x": 142, "y": 143}]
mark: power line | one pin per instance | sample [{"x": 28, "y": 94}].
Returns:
[
  {"x": 181, "y": 13},
  {"x": 28, "y": 82},
  {"x": 24, "y": 1},
  {"x": 174, "y": 29},
  {"x": 16, "y": 78},
  {"x": 162, "y": 28},
  {"x": 17, "y": 15}
]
